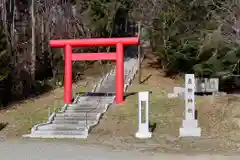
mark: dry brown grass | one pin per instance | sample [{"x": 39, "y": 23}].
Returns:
[
  {"x": 23, "y": 116},
  {"x": 119, "y": 125},
  {"x": 220, "y": 131}
]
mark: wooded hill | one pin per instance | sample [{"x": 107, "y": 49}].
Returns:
[{"x": 200, "y": 36}]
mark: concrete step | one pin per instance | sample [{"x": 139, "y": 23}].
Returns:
[
  {"x": 76, "y": 116},
  {"x": 52, "y": 127},
  {"x": 94, "y": 97},
  {"x": 66, "y": 118},
  {"x": 62, "y": 132},
  {"x": 39, "y": 135},
  {"x": 73, "y": 121},
  {"x": 85, "y": 101},
  {"x": 83, "y": 110},
  {"x": 103, "y": 99},
  {"x": 77, "y": 105}
]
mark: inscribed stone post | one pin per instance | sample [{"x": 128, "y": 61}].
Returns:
[
  {"x": 143, "y": 127},
  {"x": 190, "y": 124}
]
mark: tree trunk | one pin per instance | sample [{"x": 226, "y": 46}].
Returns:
[
  {"x": 13, "y": 37},
  {"x": 42, "y": 34},
  {"x": 5, "y": 24},
  {"x": 33, "y": 53}
]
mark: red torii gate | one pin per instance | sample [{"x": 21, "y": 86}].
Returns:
[{"x": 93, "y": 42}]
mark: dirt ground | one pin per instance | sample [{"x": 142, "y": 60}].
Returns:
[{"x": 219, "y": 119}]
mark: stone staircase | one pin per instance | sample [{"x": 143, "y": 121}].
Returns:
[{"x": 76, "y": 120}]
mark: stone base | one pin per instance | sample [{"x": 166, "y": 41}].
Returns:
[
  {"x": 48, "y": 136},
  {"x": 190, "y": 123},
  {"x": 172, "y": 95},
  {"x": 190, "y": 132},
  {"x": 143, "y": 135}
]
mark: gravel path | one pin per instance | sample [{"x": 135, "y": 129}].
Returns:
[{"x": 37, "y": 150}]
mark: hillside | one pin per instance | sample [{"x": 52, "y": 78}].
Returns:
[
  {"x": 185, "y": 36},
  {"x": 218, "y": 118}
]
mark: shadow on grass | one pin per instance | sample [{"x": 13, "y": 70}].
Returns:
[
  {"x": 130, "y": 94},
  {"x": 156, "y": 64},
  {"x": 93, "y": 94},
  {"x": 36, "y": 91},
  {"x": 39, "y": 89},
  {"x": 133, "y": 93},
  {"x": 3, "y": 125},
  {"x": 196, "y": 114},
  {"x": 152, "y": 126},
  {"x": 96, "y": 94},
  {"x": 146, "y": 79},
  {"x": 103, "y": 94},
  {"x": 203, "y": 93}
]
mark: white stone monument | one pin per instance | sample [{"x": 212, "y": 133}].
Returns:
[
  {"x": 200, "y": 85},
  {"x": 177, "y": 92},
  {"x": 143, "y": 127},
  {"x": 207, "y": 85},
  {"x": 190, "y": 124},
  {"x": 212, "y": 85}
]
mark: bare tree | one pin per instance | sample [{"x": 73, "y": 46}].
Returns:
[{"x": 33, "y": 53}]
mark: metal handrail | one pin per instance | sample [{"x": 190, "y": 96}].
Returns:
[
  {"x": 98, "y": 103},
  {"x": 86, "y": 113},
  {"x": 133, "y": 69}
]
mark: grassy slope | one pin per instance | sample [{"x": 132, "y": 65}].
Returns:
[
  {"x": 23, "y": 116},
  {"x": 119, "y": 125}
]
